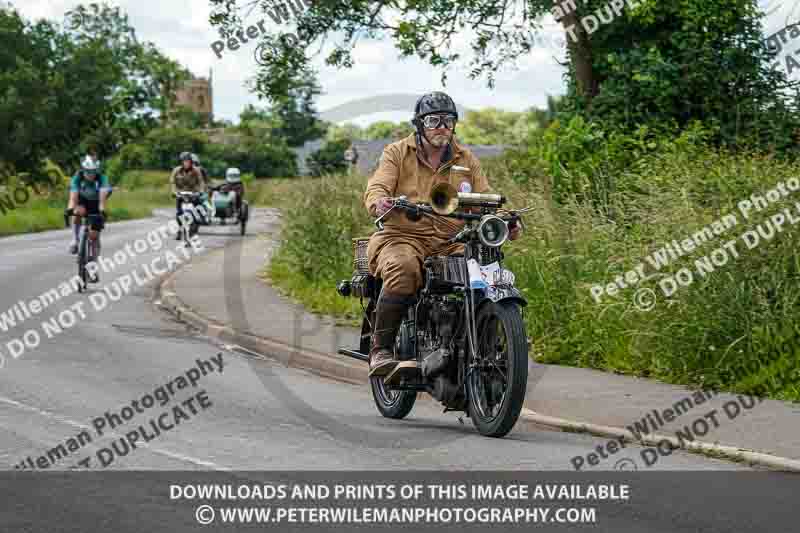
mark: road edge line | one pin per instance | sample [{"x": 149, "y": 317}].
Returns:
[
  {"x": 338, "y": 369},
  {"x": 708, "y": 449}
]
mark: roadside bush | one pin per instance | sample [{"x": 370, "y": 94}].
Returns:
[
  {"x": 743, "y": 311},
  {"x": 264, "y": 158},
  {"x": 164, "y": 145},
  {"x": 329, "y": 159}
]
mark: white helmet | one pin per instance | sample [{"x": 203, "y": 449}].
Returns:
[
  {"x": 232, "y": 175},
  {"x": 90, "y": 164},
  {"x": 195, "y": 160}
]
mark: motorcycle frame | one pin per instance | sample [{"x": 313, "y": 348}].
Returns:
[{"x": 474, "y": 300}]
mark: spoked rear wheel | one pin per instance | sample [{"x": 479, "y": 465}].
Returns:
[
  {"x": 391, "y": 403},
  {"x": 497, "y": 381}
]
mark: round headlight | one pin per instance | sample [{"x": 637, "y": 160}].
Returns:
[{"x": 492, "y": 231}]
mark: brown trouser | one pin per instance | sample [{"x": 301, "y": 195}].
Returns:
[{"x": 397, "y": 259}]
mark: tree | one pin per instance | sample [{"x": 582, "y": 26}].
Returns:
[
  {"x": 292, "y": 117},
  {"x": 385, "y": 129},
  {"x": 488, "y": 126},
  {"x": 93, "y": 83},
  {"x": 296, "y": 113},
  {"x": 329, "y": 159},
  {"x": 632, "y": 62},
  {"x": 346, "y": 132}
]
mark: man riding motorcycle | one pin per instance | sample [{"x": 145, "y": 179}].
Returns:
[
  {"x": 411, "y": 167},
  {"x": 89, "y": 190},
  {"x": 186, "y": 177}
]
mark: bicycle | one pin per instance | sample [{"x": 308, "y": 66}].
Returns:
[{"x": 87, "y": 247}]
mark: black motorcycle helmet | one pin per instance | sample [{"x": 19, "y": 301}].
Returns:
[{"x": 435, "y": 102}]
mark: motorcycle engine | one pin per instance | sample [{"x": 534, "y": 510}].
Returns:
[{"x": 441, "y": 325}]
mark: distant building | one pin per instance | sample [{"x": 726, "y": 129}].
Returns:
[
  {"x": 198, "y": 95},
  {"x": 369, "y": 152}
]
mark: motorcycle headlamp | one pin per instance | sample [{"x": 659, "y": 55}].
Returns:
[{"x": 492, "y": 231}]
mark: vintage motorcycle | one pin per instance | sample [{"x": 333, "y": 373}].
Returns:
[
  {"x": 223, "y": 201},
  {"x": 194, "y": 205},
  {"x": 464, "y": 340}
]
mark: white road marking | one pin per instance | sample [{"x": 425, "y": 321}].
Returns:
[{"x": 78, "y": 425}]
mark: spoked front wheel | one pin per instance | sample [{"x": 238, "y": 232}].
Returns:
[
  {"x": 83, "y": 253},
  {"x": 497, "y": 380}
]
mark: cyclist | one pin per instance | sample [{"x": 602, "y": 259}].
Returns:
[
  {"x": 186, "y": 177},
  {"x": 89, "y": 191}
]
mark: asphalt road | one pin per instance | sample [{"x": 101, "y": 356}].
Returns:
[
  {"x": 204, "y": 407},
  {"x": 122, "y": 352}
]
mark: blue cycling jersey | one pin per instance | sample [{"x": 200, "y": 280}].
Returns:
[{"x": 87, "y": 189}]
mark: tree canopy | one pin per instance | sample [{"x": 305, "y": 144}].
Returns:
[
  {"x": 89, "y": 83},
  {"x": 629, "y": 62}
]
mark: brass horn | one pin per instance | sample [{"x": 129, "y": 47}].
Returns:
[{"x": 444, "y": 198}]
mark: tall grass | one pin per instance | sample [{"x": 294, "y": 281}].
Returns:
[{"x": 322, "y": 216}]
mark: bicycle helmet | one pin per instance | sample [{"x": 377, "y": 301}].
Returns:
[
  {"x": 233, "y": 175},
  {"x": 89, "y": 164}
]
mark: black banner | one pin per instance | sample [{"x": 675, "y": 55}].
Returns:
[{"x": 122, "y": 502}]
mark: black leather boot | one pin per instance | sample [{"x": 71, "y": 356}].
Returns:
[{"x": 389, "y": 315}]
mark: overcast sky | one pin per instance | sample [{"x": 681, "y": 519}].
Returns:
[{"x": 180, "y": 29}]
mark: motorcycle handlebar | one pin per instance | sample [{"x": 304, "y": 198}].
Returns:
[
  {"x": 427, "y": 209},
  {"x": 415, "y": 211}
]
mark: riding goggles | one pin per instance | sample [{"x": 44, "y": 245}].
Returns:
[{"x": 432, "y": 122}]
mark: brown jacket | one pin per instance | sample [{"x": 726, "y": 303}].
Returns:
[
  {"x": 401, "y": 172},
  {"x": 188, "y": 181}
]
